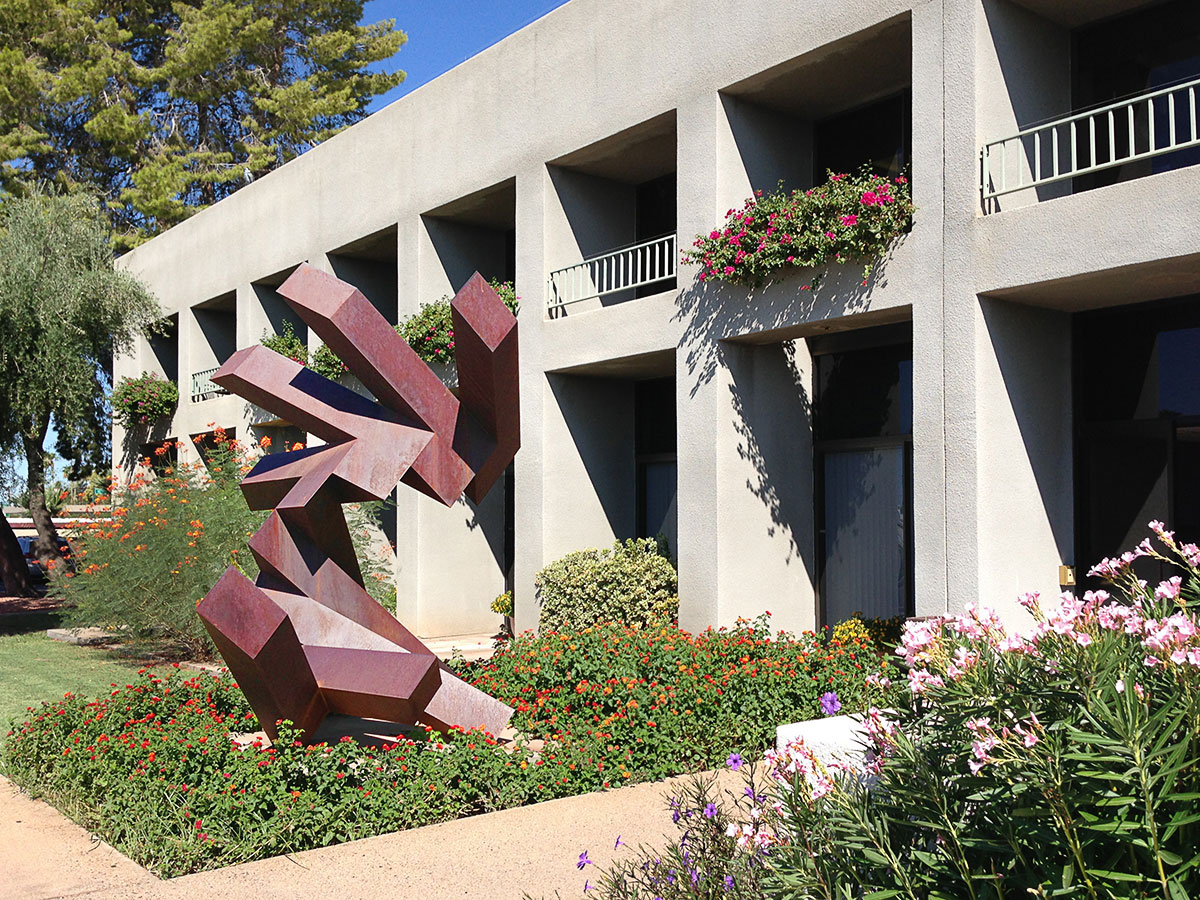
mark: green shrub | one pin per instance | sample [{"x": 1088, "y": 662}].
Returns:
[
  {"x": 287, "y": 343},
  {"x": 633, "y": 582},
  {"x": 430, "y": 331},
  {"x": 850, "y": 217},
  {"x": 144, "y": 399},
  {"x": 171, "y": 537},
  {"x": 168, "y": 541}
]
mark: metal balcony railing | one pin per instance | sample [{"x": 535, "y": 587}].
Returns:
[
  {"x": 1141, "y": 127},
  {"x": 203, "y": 387},
  {"x": 621, "y": 270}
]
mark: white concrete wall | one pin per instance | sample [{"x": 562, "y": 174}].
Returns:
[{"x": 991, "y": 481}]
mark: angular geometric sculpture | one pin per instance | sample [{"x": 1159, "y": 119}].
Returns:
[{"x": 305, "y": 638}]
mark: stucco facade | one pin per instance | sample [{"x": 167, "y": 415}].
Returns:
[{"x": 525, "y": 159}]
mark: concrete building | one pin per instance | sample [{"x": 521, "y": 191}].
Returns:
[{"x": 1014, "y": 390}]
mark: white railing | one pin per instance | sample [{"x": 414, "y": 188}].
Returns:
[
  {"x": 1149, "y": 125},
  {"x": 204, "y": 387},
  {"x": 620, "y": 270}
]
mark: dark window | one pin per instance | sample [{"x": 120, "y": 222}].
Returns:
[
  {"x": 654, "y": 217},
  {"x": 863, "y": 470},
  {"x": 163, "y": 455},
  {"x": 655, "y": 448},
  {"x": 1137, "y": 422},
  {"x": 878, "y": 134},
  {"x": 1131, "y": 55}
]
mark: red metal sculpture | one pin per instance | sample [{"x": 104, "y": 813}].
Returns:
[{"x": 305, "y": 638}]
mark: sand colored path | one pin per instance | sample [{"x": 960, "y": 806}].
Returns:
[{"x": 531, "y": 850}]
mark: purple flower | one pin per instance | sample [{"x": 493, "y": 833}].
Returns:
[
  {"x": 728, "y": 882},
  {"x": 619, "y": 843},
  {"x": 588, "y": 886},
  {"x": 710, "y": 811},
  {"x": 735, "y": 761},
  {"x": 583, "y": 861},
  {"x": 830, "y": 704}
]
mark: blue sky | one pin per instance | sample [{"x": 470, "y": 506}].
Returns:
[{"x": 444, "y": 33}]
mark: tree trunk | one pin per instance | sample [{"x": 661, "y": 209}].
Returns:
[
  {"x": 45, "y": 545},
  {"x": 14, "y": 574}
]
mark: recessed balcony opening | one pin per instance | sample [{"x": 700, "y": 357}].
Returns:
[
  {"x": 164, "y": 348},
  {"x": 1115, "y": 97},
  {"x": 275, "y": 310},
  {"x": 475, "y": 233},
  {"x": 610, "y": 235},
  {"x": 215, "y": 340},
  {"x": 616, "y": 474},
  {"x": 370, "y": 265},
  {"x": 836, "y": 109}
]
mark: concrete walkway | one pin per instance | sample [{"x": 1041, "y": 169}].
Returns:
[{"x": 531, "y": 850}]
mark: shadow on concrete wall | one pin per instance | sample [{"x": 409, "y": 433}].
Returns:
[
  {"x": 1034, "y": 55},
  {"x": 780, "y": 309},
  {"x": 598, "y": 413},
  {"x": 1033, "y": 351},
  {"x": 773, "y": 420}
]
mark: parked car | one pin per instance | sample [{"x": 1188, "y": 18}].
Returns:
[{"x": 36, "y": 572}]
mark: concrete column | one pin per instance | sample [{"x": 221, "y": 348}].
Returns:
[
  {"x": 1026, "y": 495},
  {"x": 533, "y": 186},
  {"x": 929, "y": 410},
  {"x": 407, "y": 531},
  {"x": 698, "y": 395}
]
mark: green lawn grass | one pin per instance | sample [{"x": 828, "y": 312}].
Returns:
[{"x": 34, "y": 668}]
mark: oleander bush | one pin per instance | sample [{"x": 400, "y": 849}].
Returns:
[
  {"x": 850, "y": 218},
  {"x": 1061, "y": 761},
  {"x": 632, "y": 582},
  {"x": 152, "y": 767},
  {"x": 144, "y": 399}
]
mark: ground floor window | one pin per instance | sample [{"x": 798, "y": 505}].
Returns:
[
  {"x": 862, "y": 429},
  {"x": 1137, "y": 426},
  {"x": 655, "y": 449}
]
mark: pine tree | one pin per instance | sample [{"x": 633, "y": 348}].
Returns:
[{"x": 166, "y": 106}]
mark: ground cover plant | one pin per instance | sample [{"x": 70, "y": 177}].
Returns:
[
  {"x": 1059, "y": 761},
  {"x": 151, "y": 767},
  {"x": 851, "y": 217}
]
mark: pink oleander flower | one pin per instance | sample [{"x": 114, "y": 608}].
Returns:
[
  {"x": 920, "y": 680},
  {"x": 1169, "y": 589}
]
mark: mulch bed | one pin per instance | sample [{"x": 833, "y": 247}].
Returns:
[{"x": 18, "y": 606}]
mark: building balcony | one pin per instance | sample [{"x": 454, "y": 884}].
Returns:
[
  {"x": 203, "y": 387},
  {"x": 1140, "y": 135},
  {"x": 634, "y": 271}
]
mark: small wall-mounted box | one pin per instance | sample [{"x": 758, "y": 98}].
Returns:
[{"x": 1066, "y": 576}]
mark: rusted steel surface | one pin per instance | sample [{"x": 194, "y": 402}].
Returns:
[{"x": 305, "y": 638}]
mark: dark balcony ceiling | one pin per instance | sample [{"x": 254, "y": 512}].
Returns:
[
  {"x": 377, "y": 247},
  {"x": 493, "y": 207},
  {"x": 1073, "y": 13},
  {"x": 634, "y": 156},
  {"x": 863, "y": 67},
  {"x": 657, "y": 364},
  {"x": 1155, "y": 280}
]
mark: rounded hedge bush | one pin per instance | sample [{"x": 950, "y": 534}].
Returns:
[{"x": 633, "y": 583}]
